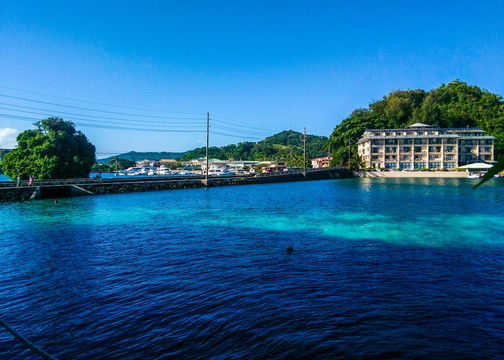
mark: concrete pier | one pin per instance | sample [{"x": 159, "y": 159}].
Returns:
[{"x": 89, "y": 187}]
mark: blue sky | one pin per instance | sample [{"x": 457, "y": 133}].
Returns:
[{"x": 258, "y": 67}]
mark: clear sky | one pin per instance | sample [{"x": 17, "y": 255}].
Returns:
[{"x": 141, "y": 75}]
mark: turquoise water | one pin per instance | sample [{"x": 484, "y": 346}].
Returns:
[{"x": 392, "y": 268}]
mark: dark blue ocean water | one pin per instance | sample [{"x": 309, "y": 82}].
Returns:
[{"x": 381, "y": 268}]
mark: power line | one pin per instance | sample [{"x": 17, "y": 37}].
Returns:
[
  {"x": 239, "y": 131},
  {"x": 24, "y": 118},
  {"x": 235, "y": 136},
  {"x": 228, "y": 121},
  {"x": 81, "y": 108},
  {"x": 98, "y": 103},
  {"x": 147, "y": 123},
  {"x": 101, "y": 117}
]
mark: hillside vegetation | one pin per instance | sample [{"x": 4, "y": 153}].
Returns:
[
  {"x": 449, "y": 106},
  {"x": 286, "y": 146},
  {"x": 136, "y": 156}
]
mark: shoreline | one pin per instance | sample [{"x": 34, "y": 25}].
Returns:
[{"x": 410, "y": 174}]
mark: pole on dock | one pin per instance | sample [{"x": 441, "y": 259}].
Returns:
[
  {"x": 207, "y": 138},
  {"x": 304, "y": 152},
  {"x": 349, "y": 150}
]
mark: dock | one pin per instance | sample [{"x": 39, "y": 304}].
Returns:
[{"x": 89, "y": 187}]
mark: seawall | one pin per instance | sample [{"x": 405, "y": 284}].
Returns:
[
  {"x": 81, "y": 187},
  {"x": 411, "y": 174}
]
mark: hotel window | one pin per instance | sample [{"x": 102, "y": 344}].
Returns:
[
  {"x": 434, "y": 141},
  {"x": 418, "y": 141},
  {"x": 390, "y": 142},
  {"x": 406, "y": 149},
  {"x": 468, "y": 142},
  {"x": 420, "y": 165},
  {"x": 418, "y": 149},
  {"x": 468, "y": 157},
  {"x": 374, "y": 150},
  {"x": 405, "y": 165},
  {"x": 406, "y": 142},
  {"x": 487, "y": 149},
  {"x": 450, "y": 141},
  {"x": 390, "y": 165},
  {"x": 449, "y": 165},
  {"x": 449, "y": 149},
  {"x": 449, "y": 157},
  {"x": 434, "y": 165}
]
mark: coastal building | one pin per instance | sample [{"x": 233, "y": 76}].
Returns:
[
  {"x": 168, "y": 162},
  {"x": 421, "y": 146},
  {"x": 321, "y": 162}
]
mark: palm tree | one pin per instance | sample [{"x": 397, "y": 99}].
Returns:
[{"x": 356, "y": 161}]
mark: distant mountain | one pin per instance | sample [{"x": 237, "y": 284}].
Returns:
[{"x": 136, "y": 156}]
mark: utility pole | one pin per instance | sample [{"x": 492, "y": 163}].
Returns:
[
  {"x": 304, "y": 152},
  {"x": 349, "y": 150},
  {"x": 207, "y": 138}
]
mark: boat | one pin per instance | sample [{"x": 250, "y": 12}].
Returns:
[
  {"x": 133, "y": 171},
  {"x": 163, "y": 170},
  {"x": 216, "y": 170}
]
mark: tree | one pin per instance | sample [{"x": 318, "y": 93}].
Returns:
[
  {"x": 55, "y": 150},
  {"x": 356, "y": 161}
]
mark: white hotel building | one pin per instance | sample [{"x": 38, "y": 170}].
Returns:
[{"x": 421, "y": 146}]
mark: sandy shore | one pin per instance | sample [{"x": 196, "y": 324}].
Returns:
[{"x": 411, "y": 174}]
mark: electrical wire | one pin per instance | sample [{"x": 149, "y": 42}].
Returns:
[
  {"x": 244, "y": 125},
  {"x": 147, "y": 123},
  {"x": 98, "y": 103},
  {"x": 130, "y": 121},
  {"x": 81, "y": 108},
  {"x": 23, "y": 118},
  {"x": 101, "y": 117}
]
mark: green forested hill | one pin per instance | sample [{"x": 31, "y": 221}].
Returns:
[
  {"x": 286, "y": 145},
  {"x": 454, "y": 105},
  {"x": 136, "y": 156}
]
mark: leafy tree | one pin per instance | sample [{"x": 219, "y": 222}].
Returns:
[{"x": 55, "y": 150}]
